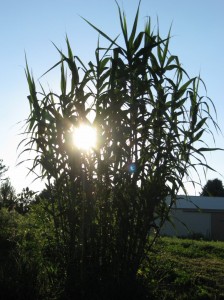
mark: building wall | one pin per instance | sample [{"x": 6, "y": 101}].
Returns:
[
  {"x": 187, "y": 222},
  {"x": 217, "y": 226}
]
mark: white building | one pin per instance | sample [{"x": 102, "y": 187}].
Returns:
[{"x": 197, "y": 215}]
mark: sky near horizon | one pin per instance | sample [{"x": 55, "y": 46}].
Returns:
[{"x": 31, "y": 26}]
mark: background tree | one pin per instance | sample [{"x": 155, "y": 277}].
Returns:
[
  {"x": 213, "y": 188},
  {"x": 7, "y": 194},
  {"x": 24, "y": 199},
  {"x": 3, "y": 168},
  {"x": 149, "y": 118}
]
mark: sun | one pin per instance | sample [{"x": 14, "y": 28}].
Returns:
[{"x": 84, "y": 137}]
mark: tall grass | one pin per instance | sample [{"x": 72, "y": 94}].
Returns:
[{"x": 150, "y": 122}]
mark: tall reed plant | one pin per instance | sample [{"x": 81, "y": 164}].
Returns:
[{"x": 150, "y": 122}]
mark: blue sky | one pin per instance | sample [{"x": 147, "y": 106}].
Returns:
[{"x": 32, "y": 26}]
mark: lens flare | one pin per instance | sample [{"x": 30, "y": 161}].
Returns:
[{"x": 132, "y": 168}]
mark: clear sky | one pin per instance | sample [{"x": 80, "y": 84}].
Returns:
[{"x": 30, "y": 26}]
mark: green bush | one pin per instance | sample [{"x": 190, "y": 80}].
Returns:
[{"x": 30, "y": 260}]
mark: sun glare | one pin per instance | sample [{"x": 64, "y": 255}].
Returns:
[{"x": 84, "y": 137}]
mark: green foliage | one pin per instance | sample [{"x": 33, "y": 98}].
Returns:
[
  {"x": 3, "y": 168},
  {"x": 38, "y": 253},
  {"x": 213, "y": 188},
  {"x": 9, "y": 229},
  {"x": 184, "y": 269},
  {"x": 31, "y": 265},
  {"x": 9, "y": 221},
  {"x": 150, "y": 120},
  {"x": 24, "y": 200},
  {"x": 7, "y": 194}
]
